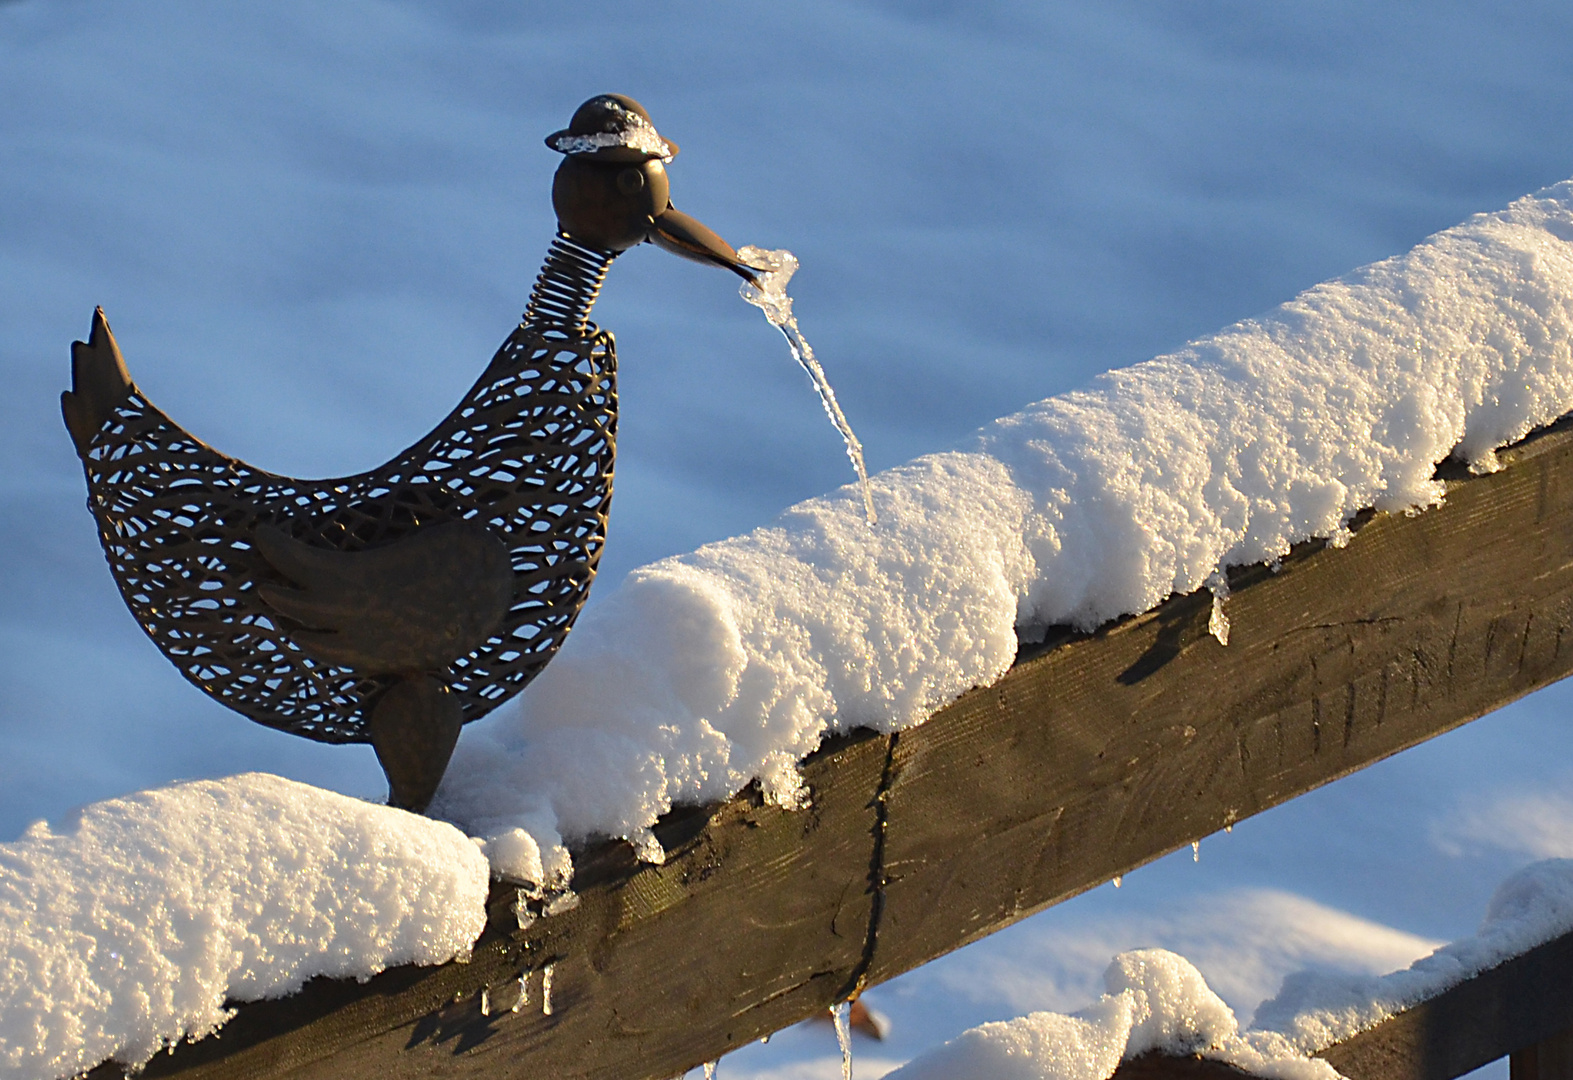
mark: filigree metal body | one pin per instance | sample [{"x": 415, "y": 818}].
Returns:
[
  {"x": 528, "y": 453},
  {"x": 393, "y": 606}
]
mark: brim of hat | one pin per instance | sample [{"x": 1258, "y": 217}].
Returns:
[{"x": 615, "y": 155}]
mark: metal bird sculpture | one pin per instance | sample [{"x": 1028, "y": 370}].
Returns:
[{"x": 394, "y": 606}]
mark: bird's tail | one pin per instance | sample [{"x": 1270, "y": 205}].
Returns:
[{"x": 99, "y": 383}]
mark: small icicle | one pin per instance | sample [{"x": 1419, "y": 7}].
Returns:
[
  {"x": 546, "y": 990},
  {"x": 1117, "y": 880},
  {"x": 776, "y": 269},
  {"x": 710, "y": 1070},
  {"x": 647, "y": 848},
  {"x": 524, "y": 992},
  {"x": 521, "y": 908},
  {"x": 563, "y": 901},
  {"x": 1196, "y": 851},
  {"x": 486, "y": 1001},
  {"x": 1218, "y": 622},
  {"x": 842, "y": 1016}
]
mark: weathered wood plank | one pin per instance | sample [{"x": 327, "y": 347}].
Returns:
[
  {"x": 1090, "y": 757},
  {"x": 1101, "y": 755},
  {"x": 653, "y": 961}
]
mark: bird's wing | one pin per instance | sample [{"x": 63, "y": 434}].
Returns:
[
  {"x": 527, "y": 455},
  {"x": 414, "y": 605}
]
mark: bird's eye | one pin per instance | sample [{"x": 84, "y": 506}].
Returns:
[{"x": 630, "y": 181}]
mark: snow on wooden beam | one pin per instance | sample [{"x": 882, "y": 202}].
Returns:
[
  {"x": 1521, "y": 1008},
  {"x": 1511, "y": 1008},
  {"x": 1093, "y": 755}
]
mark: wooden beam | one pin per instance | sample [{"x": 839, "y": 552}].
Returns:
[
  {"x": 1523, "y": 1007},
  {"x": 1513, "y": 1006},
  {"x": 1093, "y": 755},
  {"x": 1548, "y": 1059}
]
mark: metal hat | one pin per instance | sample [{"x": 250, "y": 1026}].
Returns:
[{"x": 612, "y": 128}]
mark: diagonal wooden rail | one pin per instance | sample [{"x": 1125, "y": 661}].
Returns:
[{"x": 1093, "y": 755}]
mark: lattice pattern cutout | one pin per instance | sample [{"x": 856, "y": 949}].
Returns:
[{"x": 529, "y": 452}]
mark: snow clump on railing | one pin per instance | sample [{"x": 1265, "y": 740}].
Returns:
[{"x": 132, "y": 925}]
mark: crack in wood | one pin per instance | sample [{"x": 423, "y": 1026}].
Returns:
[
  {"x": 1452, "y": 645},
  {"x": 877, "y": 877},
  {"x": 1343, "y": 624},
  {"x": 1491, "y": 642}
]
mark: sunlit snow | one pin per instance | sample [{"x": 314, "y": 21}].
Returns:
[
  {"x": 314, "y": 223},
  {"x": 1157, "y": 1001},
  {"x": 129, "y": 926},
  {"x": 1317, "y": 1008},
  {"x": 704, "y": 671}
]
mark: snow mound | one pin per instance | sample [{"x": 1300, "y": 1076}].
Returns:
[
  {"x": 1156, "y": 1001},
  {"x": 127, "y": 931},
  {"x": 704, "y": 671},
  {"x": 1316, "y": 1009}
]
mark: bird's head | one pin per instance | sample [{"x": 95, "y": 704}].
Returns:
[{"x": 611, "y": 192}]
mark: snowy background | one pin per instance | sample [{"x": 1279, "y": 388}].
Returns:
[{"x": 310, "y": 230}]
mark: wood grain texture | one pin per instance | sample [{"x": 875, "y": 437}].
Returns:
[
  {"x": 1093, "y": 755},
  {"x": 652, "y": 962},
  {"x": 1102, "y": 754}
]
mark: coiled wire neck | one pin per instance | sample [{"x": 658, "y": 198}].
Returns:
[{"x": 568, "y": 284}]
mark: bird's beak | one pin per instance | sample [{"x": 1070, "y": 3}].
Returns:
[{"x": 682, "y": 235}]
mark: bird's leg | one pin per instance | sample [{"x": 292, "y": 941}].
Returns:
[{"x": 414, "y": 727}]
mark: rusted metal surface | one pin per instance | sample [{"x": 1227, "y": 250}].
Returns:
[
  {"x": 396, "y": 605},
  {"x": 611, "y": 190},
  {"x": 212, "y": 555}
]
